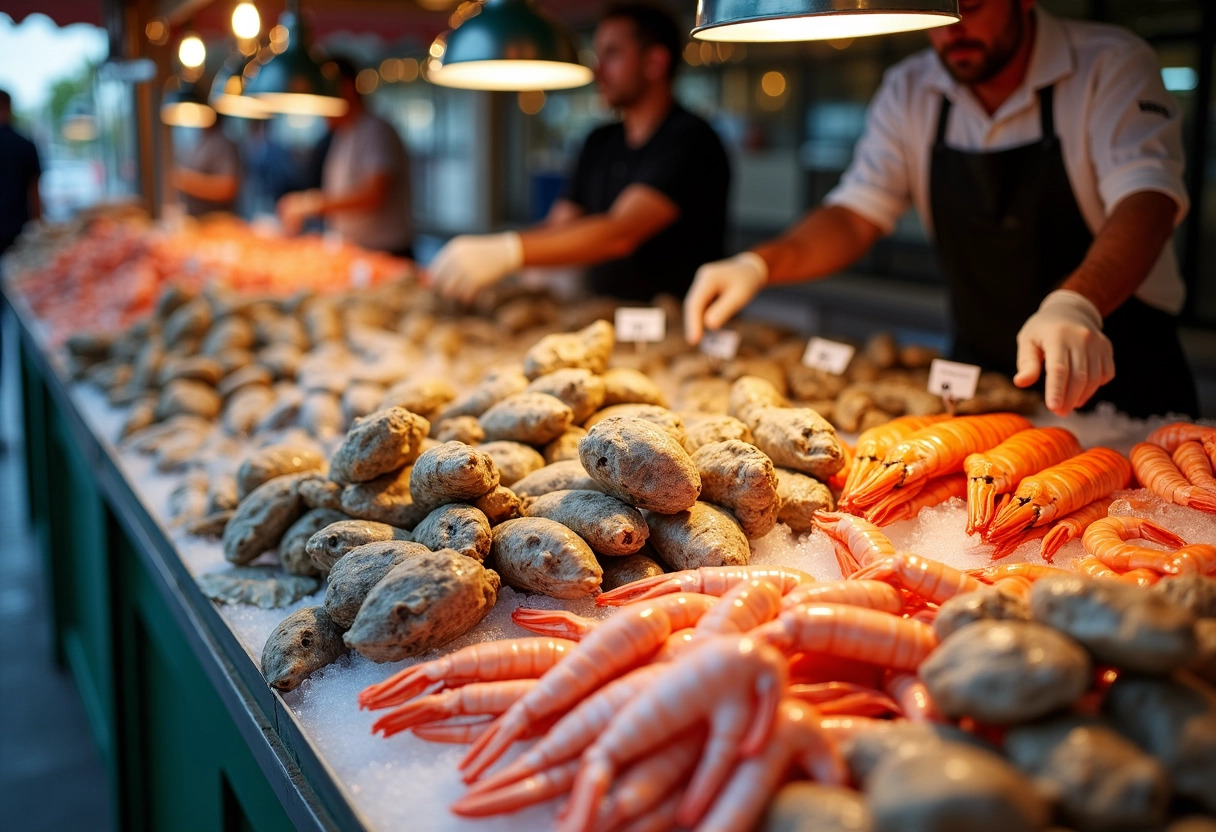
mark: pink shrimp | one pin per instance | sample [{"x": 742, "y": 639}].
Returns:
[
  {"x": 932, "y": 580},
  {"x": 1194, "y": 464},
  {"x": 935, "y": 492},
  {"x": 1029, "y": 571},
  {"x": 857, "y": 542},
  {"x": 731, "y": 682},
  {"x": 483, "y": 698},
  {"x": 1106, "y": 540},
  {"x": 912, "y": 697},
  {"x": 528, "y": 791},
  {"x": 999, "y": 470},
  {"x": 521, "y": 658},
  {"x": 1019, "y": 586},
  {"x": 1174, "y": 434},
  {"x": 648, "y": 782},
  {"x": 797, "y": 735},
  {"x": 627, "y": 639},
  {"x": 1156, "y": 471},
  {"x": 744, "y": 607},
  {"x": 844, "y": 698},
  {"x": 876, "y": 595},
  {"x": 561, "y": 623},
  {"x": 1071, "y": 526},
  {"x": 708, "y": 580},
  {"x": 853, "y": 632}
]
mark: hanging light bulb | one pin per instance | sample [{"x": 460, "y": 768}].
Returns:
[
  {"x": 227, "y": 90},
  {"x": 246, "y": 22},
  {"x": 183, "y": 106},
  {"x": 191, "y": 52},
  {"x": 290, "y": 81},
  {"x": 797, "y": 20}
]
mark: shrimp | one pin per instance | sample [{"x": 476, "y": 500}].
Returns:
[
  {"x": 932, "y": 580},
  {"x": 1140, "y": 577},
  {"x": 708, "y": 580},
  {"x": 479, "y": 698},
  {"x": 528, "y": 791},
  {"x": 837, "y": 481},
  {"x": 1071, "y": 526},
  {"x": 732, "y": 682},
  {"x": 561, "y": 623},
  {"x": 1197, "y": 557},
  {"x": 1194, "y": 464},
  {"x": 797, "y": 735},
  {"x": 1009, "y": 545},
  {"x": 872, "y": 447},
  {"x": 845, "y": 698},
  {"x": 1030, "y": 571},
  {"x": 912, "y": 697},
  {"x": 1174, "y": 434},
  {"x": 999, "y": 470},
  {"x": 857, "y": 542},
  {"x": 1209, "y": 448},
  {"x": 494, "y": 661},
  {"x": 1157, "y": 472},
  {"x": 1060, "y": 490},
  {"x": 646, "y": 783},
  {"x": 1106, "y": 539},
  {"x": 1093, "y": 566},
  {"x": 875, "y": 595},
  {"x": 743, "y": 607},
  {"x": 627, "y": 639},
  {"x": 853, "y": 632},
  {"x": 935, "y": 451},
  {"x": 934, "y": 492}
]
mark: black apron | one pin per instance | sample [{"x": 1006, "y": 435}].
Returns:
[{"x": 1008, "y": 232}]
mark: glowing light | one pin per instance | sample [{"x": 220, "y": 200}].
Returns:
[
  {"x": 772, "y": 84},
  {"x": 692, "y": 54},
  {"x": 1179, "y": 78},
  {"x": 366, "y": 81},
  {"x": 531, "y": 102},
  {"x": 823, "y": 27},
  {"x": 192, "y": 52},
  {"x": 409, "y": 70},
  {"x": 157, "y": 31},
  {"x": 246, "y": 22},
  {"x": 390, "y": 70}
]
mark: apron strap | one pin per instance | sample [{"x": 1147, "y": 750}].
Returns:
[
  {"x": 1047, "y": 116},
  {"x": 943, "y": 116}
]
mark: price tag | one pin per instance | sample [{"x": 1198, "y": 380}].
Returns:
[
  {"x": 830, "y": 356},
  {"x": 722, "y": 344},
  {"x": 641, "y": 324},
  {"x": 952, "y": 380},
  {"x": 360, "y": 274}
]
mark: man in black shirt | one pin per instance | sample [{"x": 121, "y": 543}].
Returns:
[
  {"x": 647, "y": 203},
  {"x": 19, "y": 172}
]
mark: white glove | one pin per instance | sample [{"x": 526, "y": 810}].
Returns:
[
  {"x": 721, "y": 289},
  {"x": 1065, "y": 336},
  {"x": 470, "y": 263}
]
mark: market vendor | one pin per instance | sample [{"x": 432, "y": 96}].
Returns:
[
  {"x": 1045, "y": 157},
  {"x": 365, "y": 181},
  {"x": 646, "y": 204},
  {"x": 208, "y": 175}
]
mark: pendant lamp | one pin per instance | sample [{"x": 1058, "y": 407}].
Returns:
[
  {"x": 182, "y": 105},
  {"x": 507, "y": 45},
  {"x": 228, "y": 87},
  {"x": 290, "y": 81},
  {"x": 793, "y": 20}
]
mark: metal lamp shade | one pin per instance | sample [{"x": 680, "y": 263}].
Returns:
[
  {"x": 228, "y": 88},
  {"x": 181, "y": 105},
  {"x": 291, "y": 82},
  {"x": 795, "y": 20},
  {"x": 509, "y": 45}
]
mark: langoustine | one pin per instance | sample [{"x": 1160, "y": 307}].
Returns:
[
  {"x": 1156, "y": 471},
  {"x": 872, "y": 447}
]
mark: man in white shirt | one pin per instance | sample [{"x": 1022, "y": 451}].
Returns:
[
  {"x": 365, "y": 181},
  {"x": 1045, "y": 157}
]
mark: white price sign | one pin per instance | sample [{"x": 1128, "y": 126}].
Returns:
[
  {"x": 830, "y": 356},
  {"x": 640, "y": 324},
  {"x": 360, "y": 274},
  {"x": 952, "y": 380},
  {"x": 722, "y": 344}
]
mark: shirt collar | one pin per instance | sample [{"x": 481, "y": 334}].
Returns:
[{"x": 1051, "y": 59}]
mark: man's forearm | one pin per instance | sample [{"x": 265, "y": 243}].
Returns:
[
  {"x": 826, "y": 241},
  {"x": 578, "y": 242},
  {"x": 1124, "y": 250},
  {"x": 367, "y": 197},
  {"x": 207, "y": 186}
]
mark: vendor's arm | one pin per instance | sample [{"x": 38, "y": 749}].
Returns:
[
  {"x": 367, "y": 196},
  {"x": 1138, "y": 161},
  {"x": 563, "y": 211},
  {"x": 212, "y": 187}
]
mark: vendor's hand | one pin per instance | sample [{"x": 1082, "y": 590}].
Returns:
[
  {"x": 470, "y": 263},
  {"x": 1065, "y": 335},
  {"x": 296, "y": 208},
  {"x": 721, "y": 289}
]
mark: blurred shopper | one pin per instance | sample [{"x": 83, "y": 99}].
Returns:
[
  {"x": 269, "y": 171},
  {"x": 20, "y": 170},
  {"x": 646, "y": 204},
  {"x": 209, "y": 175},
  {"x": 365, "y": 180},
  {"x": 1045, "y": 156}
]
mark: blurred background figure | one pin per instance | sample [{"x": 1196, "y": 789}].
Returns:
[
  {"x": 20, "y": 169},
  {"x": 208, "y": 176},
  {"x": 365, "y": 180},
  {"x": 268, "y": 169}
]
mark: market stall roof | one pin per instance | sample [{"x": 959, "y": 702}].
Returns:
[{"x": 63, "y": 12}]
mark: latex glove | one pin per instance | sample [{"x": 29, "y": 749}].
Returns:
[
  {"x": 1065, "y": 336},
  {"x": 470, "y": 263},
  {"x": 721, "y": 289},
  {"x": 295, "y": 208}
]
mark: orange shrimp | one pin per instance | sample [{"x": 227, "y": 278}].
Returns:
[
  {"x": 999, "y": 470},
  {"x": 485, "y": 698},
  {"x": 1209, "y": 448},
  {"x": 935, "y": 451},
  {"x": 708, "y": 580},
  {"x": 1194, "y": 464},
  {"x": 494, "y": 661},
  {"x": 1019, "y": 586},
  {"x": 1175, "y": 433},
  {"x": 1030, "y": 571},
  {"x": 731, "y": 682},
  {"x": 624, "y": 641},
  {"x": 841, "y": 698},
  {"x": 872, "y": 447},
  {"x": 1157, "y": 472},
  {"x": 1093, "y": 566},
  {"x": 1059, "y": 490},
  {"x": 1006, "y": 547},
  {"x": 1072, "y": 526},
  {"x": 913, "y": 698},
  {"x": 934, "y": 492},
  {"x": 836, "y": 481},
  {"x": 857, "y": 541},
  {"x": 1141, "y": 577},
  {"x": 874, "y": 595},
  {"x": 1106, "y": 539},
  {"x": 1197, "y": 557},
  {"x": 744, "y": 607},
  {"x": 853, "y": 632},
  {"x": 930, "y": 579}
]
